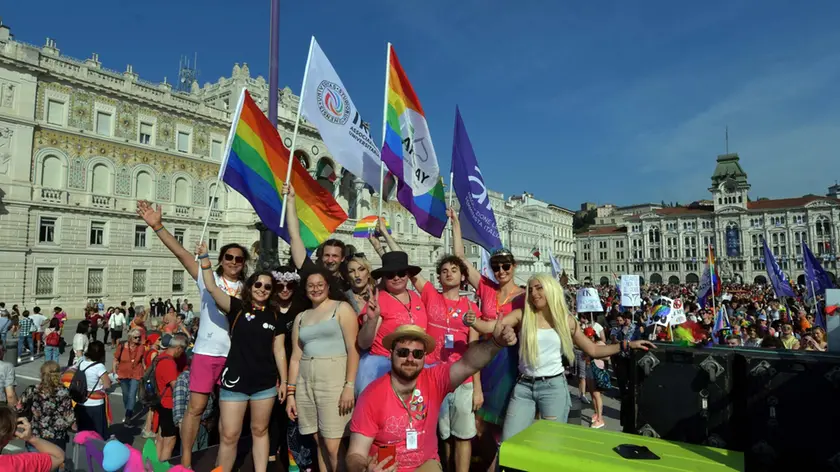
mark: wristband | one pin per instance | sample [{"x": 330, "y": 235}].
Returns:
[
  {"x": 291, "y": 385},
  {"x": 204, "y": 256},
  {"x": 210, "y": 267},
  {"x": 158, "y": 230}
]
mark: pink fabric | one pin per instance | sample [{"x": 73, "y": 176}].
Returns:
[
  {"x": 379, "y": 414},
  {"x": 446, "y": 317},
  {"x": 395, "y": 314},
  {"x": 28, "y": 461},
  {"x": 487, "y": 293},
  {"x": 82, "y": 436},
  {"x": 205, "y": 372}
]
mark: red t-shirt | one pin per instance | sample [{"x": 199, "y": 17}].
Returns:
[
  {"x": 446, "y": 317},
  {"x": 28, "y": 461},
  {"x": 380, "y": 414},
  {"x": 394, "y": 313},
  {"x": 166, "y": 371},
  {"x": 491, "y": 306},
  {"x": 94, "y": 321}
]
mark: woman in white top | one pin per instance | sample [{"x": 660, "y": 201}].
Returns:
[
  {"x": 92, "y": 414},
  {"x": 548, "y": 333},
  {"x": 80, "y": 342}
]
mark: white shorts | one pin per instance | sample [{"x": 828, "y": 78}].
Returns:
[{"x": 456, "y": 415}]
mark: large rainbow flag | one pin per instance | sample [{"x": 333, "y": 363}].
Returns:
[
  {"x": 710, "y": 280},
  {"x": 256, "y": 167},
  {"x": 409, "y": 154}
]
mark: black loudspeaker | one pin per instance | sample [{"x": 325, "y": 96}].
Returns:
[
  {"x": 788, "y": 405},
  {"x": 684, "y": 394}
]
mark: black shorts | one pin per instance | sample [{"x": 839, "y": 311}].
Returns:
[
  {"x": 166, "y": 425},
  {"x": 116, "y": 334}
]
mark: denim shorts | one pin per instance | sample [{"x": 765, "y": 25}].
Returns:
[{"x": 230, "y": 396}]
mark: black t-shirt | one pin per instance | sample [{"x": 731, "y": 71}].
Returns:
[
  {"x": 337, "y": 285},
  {"x": 250, "y": 366}
]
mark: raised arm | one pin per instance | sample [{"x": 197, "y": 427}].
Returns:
[
  {"x": 221, "y": 298},
  {"x": 480, "y": 354},
  {"x": 350, "y": 330},
  {"x": 298, "y": 250},
  {"x": 473, "y": 276},
  {"x": 512, "y": 319},
  {"x": 383, "y": 229},
  {"x": 153, "y": 217},
  {"x": 598, "y": 351},
  {"x": 24, "y": 432},
  {"x": 368, "y": 331},
  {"x": 377, "y": 245}
]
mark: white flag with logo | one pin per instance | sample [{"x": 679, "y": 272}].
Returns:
[
  {"x": 486, "y": 270},
  {"x": 327, "y": 106}
]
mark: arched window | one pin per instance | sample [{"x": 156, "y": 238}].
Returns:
[
  {"x": 399, "y": 226},
  {"x": 101, "y": 181},
  {"x": 217, "y": 203},
  {"x": 182, "y": 191},
  {"x": 52, "y": 174},
  {"x": 144, "y": 186},
  {"x": 823, "y": 227}
]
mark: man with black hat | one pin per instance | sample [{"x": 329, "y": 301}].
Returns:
[{"x": 398, "y": 413}]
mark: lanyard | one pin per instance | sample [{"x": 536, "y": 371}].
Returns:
[
  {"x": 402, "y": 402},
  {"x": 511, "y": 295},
  {"x": 230, "y": 291},
  {"x": 406, "y": 306}
]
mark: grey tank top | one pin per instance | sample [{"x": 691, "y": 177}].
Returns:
[{"x": 323, "y": 339}]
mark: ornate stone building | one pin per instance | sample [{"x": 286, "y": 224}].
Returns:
[
  {"x": 669, "y": 244},
  {"x": 80, "y": 144}
]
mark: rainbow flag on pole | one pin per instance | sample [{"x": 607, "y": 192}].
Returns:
[
  {"x": 255, "y": 166},
  {"x": 710, "y": 280},
  {"x": 408, "y": 152},
  {"x": 368, "y": 226}
]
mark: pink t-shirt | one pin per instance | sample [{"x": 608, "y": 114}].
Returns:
[
  {"x": 380, "y": 414},
  {"x": 394, "y": 313},
  {"x": 28, "y": 461},
  {"x": 491, "y": 306},
  {"x": 446, "y": 317}
]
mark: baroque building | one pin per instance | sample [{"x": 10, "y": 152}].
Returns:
[
  {"x": 80, "y": 144},
  {"x": 669, "y": 244}
]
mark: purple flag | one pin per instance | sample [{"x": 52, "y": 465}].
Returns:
[
  {"x": 478, "y": 223},
  {"x": 777, "y": 277}
]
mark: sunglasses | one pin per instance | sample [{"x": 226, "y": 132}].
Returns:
[
  {"x": 266, "y": 287},
  {"x": 496, "y": 267},
  {"x": 289, "y": 286},
  {"x": 395, "y": 275},
  {"x": 415, "y": 353},
  {"x": 235, "y": 259}
]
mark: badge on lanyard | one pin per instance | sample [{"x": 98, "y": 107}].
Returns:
[
  {"x": 449, "y": 341},
  {"x": 410, "y": 439}
]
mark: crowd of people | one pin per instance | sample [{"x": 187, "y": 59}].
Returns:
[{"x": 347, "y": 366}]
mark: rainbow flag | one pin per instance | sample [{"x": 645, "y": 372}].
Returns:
[
  {"x": 710, "y": 280},
  {"x": 367, "y": 226},
  {"x": 256, "y": 167},
  {"x": 408, "y": 152}
]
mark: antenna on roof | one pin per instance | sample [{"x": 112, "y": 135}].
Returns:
[
  {"x": 726, "y": 140},
  {"x": 187, "y": 74}
]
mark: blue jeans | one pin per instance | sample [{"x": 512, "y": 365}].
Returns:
[
  {"x": 51, "y": 353},
  {"x": 549, "y": 397},
  {"x": 129, "y": 394},
  {"x": 28, "y": 340},
  {"x": 371, "y": 367}
]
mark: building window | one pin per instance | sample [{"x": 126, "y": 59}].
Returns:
[
  {"x": 183, "y": 141},
  {"x": 44, "y": 281},
  {"x": 216, "y": 149},
  {"x": 177, "y": 281},
  {"x": 103, "y": 123},
  {"x": 179, "y": 236},
  {"x": 138, "y": 281},
  {"x": 213, "y": 202},
  {"x": 55, "y": 112},
  {"x": 146, "y": 130},
  {"x": 95, "y": 278},
  {"x": 139, "y": 236},
  {"x": 213, "y": 241},
  {"x": 46, "y": 230},
  {"x": 97, "y": 233}
]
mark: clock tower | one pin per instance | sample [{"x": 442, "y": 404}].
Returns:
[{"x": 729, "y": 183}]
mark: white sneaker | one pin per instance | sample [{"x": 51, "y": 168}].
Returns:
[{"x": 585, "y": 400}]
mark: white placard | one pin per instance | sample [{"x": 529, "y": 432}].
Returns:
[
  {"x": 677, "y": 316},
  {"x": 832, "y": 297},
  {"x": 630, "y": 293},
  {"x": 588, "y": 300}
]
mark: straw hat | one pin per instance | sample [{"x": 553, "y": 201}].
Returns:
[{"x": 409, "y": 331}]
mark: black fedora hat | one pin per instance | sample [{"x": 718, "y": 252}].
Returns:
[{"x": 395, "y": 261}]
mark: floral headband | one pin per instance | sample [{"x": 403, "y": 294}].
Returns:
[{"x": 285, "y": 277}]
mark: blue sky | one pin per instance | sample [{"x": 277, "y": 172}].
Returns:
[{"x": 607, "y": 101}]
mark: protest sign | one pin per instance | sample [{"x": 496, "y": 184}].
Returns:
[
  {"x": 588, "y": 300},
  {"x": 630, "y": 293}
]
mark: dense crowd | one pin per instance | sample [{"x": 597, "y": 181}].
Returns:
[{"x": 348, "y": 367}]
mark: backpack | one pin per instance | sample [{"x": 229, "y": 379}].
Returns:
[
  {"x": 78, "y": 385},
  {"x": 53, "y": 339},
  {"x": 148, "y": 394}
]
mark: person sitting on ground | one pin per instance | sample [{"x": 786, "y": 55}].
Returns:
[{"x": 48, "y": 457}]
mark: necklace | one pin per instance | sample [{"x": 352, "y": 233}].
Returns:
[
  {"x": 233, "y": 292},
  {"x": 407, "y": 306}
]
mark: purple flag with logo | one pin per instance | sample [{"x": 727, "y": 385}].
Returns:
[
  {"x": 777, "y": 277},
  {"x": 478, "y": 223}
]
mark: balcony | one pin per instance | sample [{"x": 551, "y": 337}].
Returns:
[
  {"x": 216, "y": 215},
  {"x": 51, "y": 195},
  {"x": 183, "y": 211},
  {"x": 102, "y": 201}
]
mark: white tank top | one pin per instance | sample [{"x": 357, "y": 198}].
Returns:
[{"x": 550, "y": 362}]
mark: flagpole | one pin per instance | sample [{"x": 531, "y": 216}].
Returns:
[
  {"x": 295, "y": 132},
  {"x": 448, "y": 230},
  {"x": 712, "y": 278},
  {"x": 223, "y": 164},
  {"x": 384, "y": 127}
]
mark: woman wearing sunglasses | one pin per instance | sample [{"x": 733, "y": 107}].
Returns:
[
  {"x": 257, "y": 353},
  {"x": 322, "y": 369},
  {"x": 129, "y": 368},
  {"x": 212, "y": 342},
  {"x": 392, "y": 305}
]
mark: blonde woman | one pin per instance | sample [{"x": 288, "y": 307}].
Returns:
[
  {"x": 548, "y": 334},
  {"x": 361, "y": 283},
  {"x": 48, "y": 407}
]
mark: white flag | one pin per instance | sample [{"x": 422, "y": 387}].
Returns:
[
  {"x": 486, "y": 270},
  {"x": 556, "y": 269},
  {"x": 328, "y": 107}
]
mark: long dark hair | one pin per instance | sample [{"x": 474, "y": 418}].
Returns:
[
  {"x": 246, "y": 292},
  {"x": 245, "y": 255}
]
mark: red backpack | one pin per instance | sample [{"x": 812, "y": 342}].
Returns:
[{"x": 53, "y": 339}]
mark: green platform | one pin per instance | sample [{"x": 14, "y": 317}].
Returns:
[{"x": 549, "y": 446}]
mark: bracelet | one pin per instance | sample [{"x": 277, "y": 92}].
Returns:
[
  {"x": 291, "y": 385},
  {"x": 157, "y": 230},
  {"x": 204, "y": 256},
  {"x": 348, "y": 384},
  {"x": 210, "y": 267}
]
